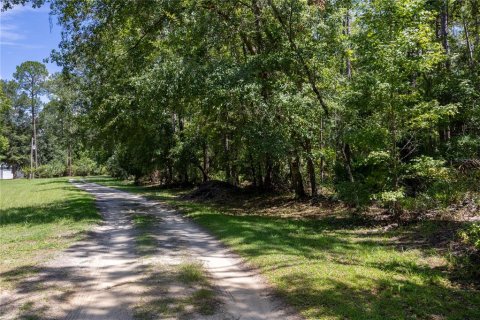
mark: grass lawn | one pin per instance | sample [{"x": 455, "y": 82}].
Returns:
[
  {"x": 334, "y": 268},
  {"x": 38, "y": 218}
]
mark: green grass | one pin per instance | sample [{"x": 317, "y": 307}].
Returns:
[
  {"x": 191, "y": 272},
  {"x": 204, "y": 301},
  {"x": 335, "y": 268},
  {"x": 204, "y": 298},
  {"x": 128, "y": 186},
  {"x": 144, "y": 239},
  {"x": 38, "y": 218},
  {"x": 192, "y": 294},
  {"x": 162, "y": 307}
]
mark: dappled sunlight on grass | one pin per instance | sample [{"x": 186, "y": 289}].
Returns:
[
  {"x": 38, "y": 218},
  {"x": 43, "y": 201},
  {"x": 191, "y": 272},
  {"x": 156, "y": 192},
  {"x": 337, "y": 267},
  {"x": 331, "y": 274},
  {"x": 144, "y": 225},
  {"x": 74, "y": 208},
  {"x": 182, "y": 291}
]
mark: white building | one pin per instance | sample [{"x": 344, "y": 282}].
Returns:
[{"x": 5, "y": 172}]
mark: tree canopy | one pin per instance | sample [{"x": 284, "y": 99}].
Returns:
[{"x": 363, "y": 100}]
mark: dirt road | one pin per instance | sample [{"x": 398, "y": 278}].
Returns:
[{"x": 110, "y": 276}]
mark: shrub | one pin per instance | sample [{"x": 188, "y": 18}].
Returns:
[
  {"x": 114, "y": 168},
  {"x": 425, "y": 170},
  {"x": 353, "y": 193},
  {"x": 85, "y": 167},
  {"x": 429, "y": 184},
  {"x": 464, "y": 147},
  {"x": 471, "y": 235},
  {"x": 390, "y": 200},
  {"x": 467, "y": 260},
  {"x": 51, "y": 170},
  {"x": 27, "y": 171}
]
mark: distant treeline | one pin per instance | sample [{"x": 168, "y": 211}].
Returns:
[{"x": 357, "y": 100}]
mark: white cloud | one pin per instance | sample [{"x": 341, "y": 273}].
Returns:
[
  {"x": 21, "y": 45},
  {"x": 10, "y": 33},
  {"x": 20, "y": 9}
]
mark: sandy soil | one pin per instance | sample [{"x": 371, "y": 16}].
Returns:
[{"x": 106, "y": 277}]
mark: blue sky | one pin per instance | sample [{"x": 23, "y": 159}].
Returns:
[{"x": 26, "y": 34}]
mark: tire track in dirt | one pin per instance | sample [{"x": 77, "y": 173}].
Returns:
[{"x": 104, "y": 276}]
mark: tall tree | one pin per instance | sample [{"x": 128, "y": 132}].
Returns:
[
  {"x": 363, "y": 94},
  {"x": 15, "y": 125},
  {"x": 31, "y": 76}
]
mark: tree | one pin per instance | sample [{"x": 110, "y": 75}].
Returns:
[
  {"x": 31, "y": 77},
  {"x": 15, "y": 125},
  {"x": 359, "y": 95},
  {"x": 5, "y": 105}
]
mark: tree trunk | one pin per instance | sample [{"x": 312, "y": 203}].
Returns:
[
  {"x": 206, "y": 163},
  {"x": 31, "y": 175},
  {"x": 252, "y": 168},
  {"x": 393, "y": 148},
  {"x": 69, "y": 160},
  {"x": 258, "y": 31},
  {"x": 444, "y": 31},
  {"x": 170, "y": 174},
  {"x": 136, "y": 180},
  {"x": 174, "y": 122},
  {"x": 348, "y": 63},
  {"x": 204, "y": 174},
  {"x": 312, "y": 177},
  {"x": 347, "y": 155},
  {"x": 322, "y": 147},
  {"x": 261, "y": 183},
  {"x": 34, "y": 154},
  {"x": 35, "y": 145},
  {"x": 311, "y": 168},
  {"x": 476, "y": 15},
  {"x": 467, "y": 39},
  {"x": 297, "y": 179},
  {"x": 348, "y": 73},
  {"x": 186, "y": 179},
  {"x": 180, "y": 123},
  {"x": 226, "y": 150},
  {"x": 234, "y": 167},
  {"x": 268, "y": 183}
]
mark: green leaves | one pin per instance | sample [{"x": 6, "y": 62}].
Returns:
[
  {"x": 31, "y": 77},
  {"x": 426, "y": 116},
  {"x": 273, "y": 92}
]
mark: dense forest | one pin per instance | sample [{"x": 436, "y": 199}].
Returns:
[{"x": 361, "y": 101}]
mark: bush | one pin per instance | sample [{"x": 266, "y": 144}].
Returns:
[
  {"x": 27, "y": 171},
  {"x": 423, "y": 172},
  {"x": 371, "y": 177},
  {"x": 353, "y": 193},
  {"x": 429, "y": 184},
  {"x": 467, "y": 260},
  {"x": 391, "y": 200},
  {"x": 463, "y": 147},
  {"x": 85, "y": 167},
  {"x": 114, "y": 168},
  {"x": 428, "y": 168},
  {"x": 51, "y": 170},
  {"x": 471, "y": 235},
  {"x": 81, "y": 167}
]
